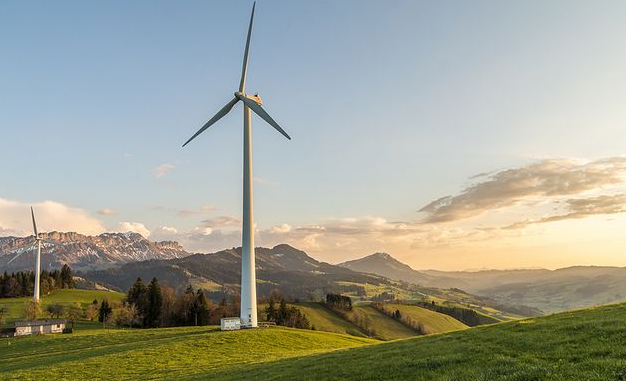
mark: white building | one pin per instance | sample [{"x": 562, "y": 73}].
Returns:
[
  {"x": 230, "y": 323},
  {"x": 35, "y": 327}
]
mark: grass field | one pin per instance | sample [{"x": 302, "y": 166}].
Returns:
[
  {"x": 582, "y": 345},
  {"x": 433, "y": 322},
  {"x": 157, "y": 354},
  {"x": 325, "y": 320},
  {"x": 65, "y": 297},
  {"x": 385, "y": 328}
]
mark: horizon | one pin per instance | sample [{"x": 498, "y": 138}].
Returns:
[{"x": 486, "y": 135}]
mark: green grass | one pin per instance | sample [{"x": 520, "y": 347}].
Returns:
[
  {"x": 64, "y": 297},
  {"x": 385, "y": 328},
  {"x": 433, "y": 322},
  {"x": 323, "y": 319},
  {"x": 157, "y": 354},
  {"x": 582, "y": 345}
]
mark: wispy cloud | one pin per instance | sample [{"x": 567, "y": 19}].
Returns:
[
  {"x": 194, "y": 212},
  {"x": 549, "y": 179},
  {"x": 162, "y": 170},
  {"x": 581, "y": 208},
  {"x": 106, "y": 212}
]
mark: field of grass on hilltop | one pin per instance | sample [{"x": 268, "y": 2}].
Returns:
[
  {"x": 433, "y": 322},
  {"x": 64, "y": 297},
  {"x": 158, "y": 354},
  {"x": 581, "y": 345}
]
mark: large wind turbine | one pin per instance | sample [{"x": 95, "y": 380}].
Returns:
[
  {"x": 38, "y": 239},
  {"x": 254, "y": 103}
]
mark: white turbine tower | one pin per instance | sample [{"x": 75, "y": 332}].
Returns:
[
  {"x": 37, "y": 240},
  {"x": 254, "y": 103}
]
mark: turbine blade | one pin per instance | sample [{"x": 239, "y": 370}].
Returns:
[
  {"x": 32, "y": 213},
  {"x": 244, "y": 69},
  {"x": 18, "y": 254},
  {"x": 52, "y": 242},
  {"x": 215, "y": 118},
  {"x": 263, "y": 114}
]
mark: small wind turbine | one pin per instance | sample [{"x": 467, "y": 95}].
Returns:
[
  {"x": 37, "y": 240},
  {"x": 254, "y": 103}
]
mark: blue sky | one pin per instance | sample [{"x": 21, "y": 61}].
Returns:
[{"x": 390, "y": 104}]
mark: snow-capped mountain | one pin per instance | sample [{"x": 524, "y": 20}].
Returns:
[{"x": 83, "y": 252}]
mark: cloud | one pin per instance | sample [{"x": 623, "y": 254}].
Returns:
[
  {"x": 161, "y": 170},
  {"x": 221, "y": 222},
  {"x": 189, "y": 212},
  {"x": 135, "y": 227},
  {"x": 282, "y": 228},
  {"x": 546, "y": 180},
  {"x": 106, "y": 212},
  {"x": 581, "y": 208},
  {"x": 15, "y": 218},
  {"x": 264, "y": 181}
]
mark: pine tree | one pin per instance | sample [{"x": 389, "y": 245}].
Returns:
[
  {"x": 138, "y": 296},
  {"x": 104, "y": 312},
  {"x": 67, "y": 281},
  {"x": 202, "y": 307},
  {"x": 155, "y": 302},
  {"x": 271, "y": 311}
]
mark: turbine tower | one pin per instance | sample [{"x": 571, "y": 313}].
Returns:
[
  {"x": 254, "y": 103},
  {"x": 38, "y": 239}
]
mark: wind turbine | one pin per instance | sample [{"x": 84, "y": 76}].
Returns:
[
  {"x": 254, "y": 103},
  {"x": 37, "y": 240}
]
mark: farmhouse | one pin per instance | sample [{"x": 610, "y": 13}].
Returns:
[{"x": 34, "y": 327}]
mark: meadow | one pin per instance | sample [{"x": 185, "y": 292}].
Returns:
[{"x": 15, "y": 306}]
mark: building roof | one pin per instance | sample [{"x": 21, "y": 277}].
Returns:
[{"x": 31, "y": 323}]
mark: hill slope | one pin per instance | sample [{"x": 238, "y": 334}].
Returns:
[
  {"x": 158, "y": 354},
  {"x": 65, "y": 297},
  {"x": 385, "y": 265},
  {"x": 581, "y": 345}
]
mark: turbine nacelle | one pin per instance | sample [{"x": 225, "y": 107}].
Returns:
[{"x": 255, "y": 98}]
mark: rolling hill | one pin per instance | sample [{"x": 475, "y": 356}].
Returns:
[
  {"x": 65, "y": 297},
  {"x": 533, "y": 291},
  {"x": 580, "y": 345}
]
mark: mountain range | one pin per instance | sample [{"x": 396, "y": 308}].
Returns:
[
  {"x": 547, "y": 290},
  {"x": 84, "y": 252},
  {"x": 117, "y": 259}
]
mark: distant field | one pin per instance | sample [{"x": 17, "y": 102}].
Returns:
[
  {"x": 433, "y": 322},
  {"x": 582, "y": 345},
  {"x": 158, "y": 354},
  {"x": 65, "y": 297},
  {"x": 385, "y": 328},
  {"x": 325, "y": 320}
]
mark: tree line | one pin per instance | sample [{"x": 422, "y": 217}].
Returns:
[
  {"x": 22, "y": 283},
  {"x": 464, "y": 315}
]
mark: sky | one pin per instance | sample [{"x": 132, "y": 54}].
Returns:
[{"x": 452, "y": 135}]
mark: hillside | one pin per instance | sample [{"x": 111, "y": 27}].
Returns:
[
  {"x": 529, "y": 292},
  {"x": 84, "y": 252},
  {"x": 281, "y": 267},
  {"x": 433, "y": 322},
  {"x": 581, "y": 345},
  {"x": 158, "y": 354},
  {"x": 385, "y": 265},
  {"x": 65, "y": 297}
]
